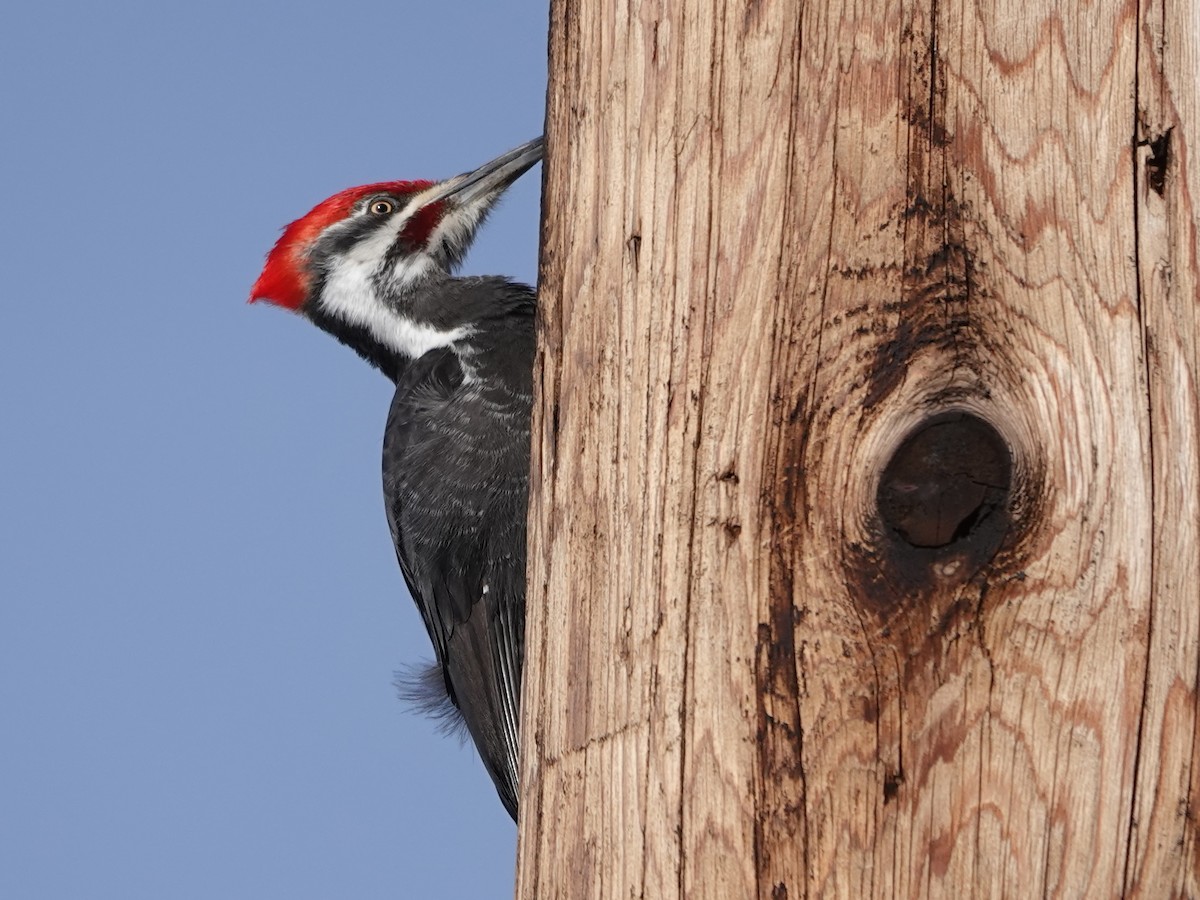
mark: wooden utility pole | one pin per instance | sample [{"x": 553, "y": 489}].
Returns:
[{"x": 865, "y": 522}]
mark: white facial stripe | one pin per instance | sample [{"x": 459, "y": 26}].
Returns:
[{"x": 350, "y": 295}]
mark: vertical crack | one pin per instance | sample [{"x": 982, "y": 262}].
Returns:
[{"x": 1139, "y": 297}]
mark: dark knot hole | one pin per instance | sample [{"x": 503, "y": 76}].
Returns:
[{"x": 946, "y": 480}]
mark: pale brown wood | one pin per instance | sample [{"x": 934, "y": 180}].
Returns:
[
  {"x": 1164, "y": 850},
  {"x": 778, "y": 237}
]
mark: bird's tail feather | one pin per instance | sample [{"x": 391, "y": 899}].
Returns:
[{"x": 423, "y": 688}]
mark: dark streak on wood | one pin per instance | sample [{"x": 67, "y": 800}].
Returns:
[
  {"x": 891, "y": 785},
  {"x": 1158, "y": 161}
]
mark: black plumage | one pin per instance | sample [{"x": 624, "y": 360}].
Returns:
[{"x": 455, "y": 482}]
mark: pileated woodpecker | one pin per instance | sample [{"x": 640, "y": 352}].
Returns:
[{"x": 373, "y": 267}]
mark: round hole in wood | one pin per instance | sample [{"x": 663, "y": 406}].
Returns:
[{"x": 945, "y": 481}]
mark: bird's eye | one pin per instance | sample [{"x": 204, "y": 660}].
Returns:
[{"x": 382, "y": 207}]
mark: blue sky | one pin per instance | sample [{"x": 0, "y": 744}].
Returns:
[{"x": 200, "y": 610}]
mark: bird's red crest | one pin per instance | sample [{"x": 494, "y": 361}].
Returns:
[{"x": 285, "y": 279}]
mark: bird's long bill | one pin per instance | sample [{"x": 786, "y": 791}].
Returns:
[{"x": 489, "y": 179}]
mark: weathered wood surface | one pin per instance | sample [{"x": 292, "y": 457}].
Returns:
[{"x": 778, "y": 237}]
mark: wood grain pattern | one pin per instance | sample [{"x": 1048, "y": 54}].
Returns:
[{"x": 778, "y": 237}]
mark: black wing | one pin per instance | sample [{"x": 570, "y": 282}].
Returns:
[{"x": 455, "y": 472}]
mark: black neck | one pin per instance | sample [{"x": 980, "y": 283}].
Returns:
[{"x": 501, "y": 310}]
